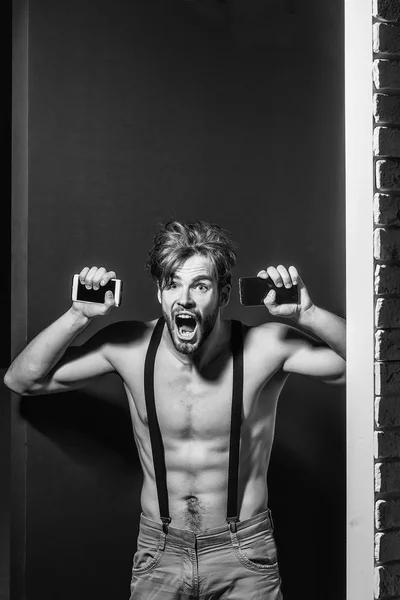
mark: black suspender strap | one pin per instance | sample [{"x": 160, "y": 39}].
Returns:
[
  {"x": 157, "y": 445},
  {"x": 236, "y": 422}
]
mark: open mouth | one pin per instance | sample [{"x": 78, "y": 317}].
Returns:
[{"x": 186, "y": 326}]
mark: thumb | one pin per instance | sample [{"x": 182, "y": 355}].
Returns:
[
  {"x": 109, "y": 299},
  {"x": 270, "y": 301}
]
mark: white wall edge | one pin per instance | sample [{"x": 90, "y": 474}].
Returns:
[{"x": 360, "y": 299}]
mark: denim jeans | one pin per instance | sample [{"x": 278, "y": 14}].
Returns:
[{"x": 216, "y": 564}]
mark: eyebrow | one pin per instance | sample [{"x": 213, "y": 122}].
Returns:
[{"x": 197, "y": 278}]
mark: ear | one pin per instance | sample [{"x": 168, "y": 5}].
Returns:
[
  {"x": 225, "y": 295},
  {"x": 158, "y": 293}
]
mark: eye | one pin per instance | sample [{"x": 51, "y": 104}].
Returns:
[
  {"x": 202, "y": 287},
  {"x": 171, "y": 286}
]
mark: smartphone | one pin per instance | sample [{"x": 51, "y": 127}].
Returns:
[
  {"x": 253, "y": 290},
  {"x": 81, "y": 294}
]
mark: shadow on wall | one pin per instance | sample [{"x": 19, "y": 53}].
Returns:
[
  {"x": 307, "y": 485},
  {"x": 91, "y": 431},
  {"x": 84, "y": 502}
]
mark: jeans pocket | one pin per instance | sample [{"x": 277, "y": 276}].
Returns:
[
  {"x": 257, "y": 552},
  {"x": 146, "y": 557}
]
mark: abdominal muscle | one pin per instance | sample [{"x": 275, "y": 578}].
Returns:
[{"x": 197, "y": 482}]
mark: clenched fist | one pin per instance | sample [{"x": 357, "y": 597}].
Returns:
[
  {"x": 94, "y": 278},
  {"x": 281, "y": 276}
]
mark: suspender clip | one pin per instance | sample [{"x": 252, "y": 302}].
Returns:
[
  {"x": 232, "y": 522},
  {"x": 165, "y": 521}
]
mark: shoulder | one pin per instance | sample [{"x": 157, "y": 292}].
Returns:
[
  {"x": 271, "y": 331},
  {"x": 265, "y": 350},
  {"x": 271, "y": 338}
]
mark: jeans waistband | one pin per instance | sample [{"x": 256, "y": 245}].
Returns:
[{"x": 208, "y": 538}]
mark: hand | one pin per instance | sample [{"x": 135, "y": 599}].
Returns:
[
  {"x": 95, "y": 278},
  {"x": 281, "y": 276}
]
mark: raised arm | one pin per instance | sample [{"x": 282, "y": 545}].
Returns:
[
  {"x": 48, "y": 364},
  {"x": 321, "y": 354}
]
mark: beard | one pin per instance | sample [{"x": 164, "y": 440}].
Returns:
[{"x": 203, "y": 329}]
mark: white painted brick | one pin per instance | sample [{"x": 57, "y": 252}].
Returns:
[
  {"x": 387, "y": 477},
  {"x": 387, "y": 10},
  {"x": 387, "y": 411},
  {"x": 386, "y": 109},
  {"x": 387, "y": 280},
  {"x": 387, "y": 344},
  {"x": 387, "y": 513},
  {"x": 387, "y": 445},
  {"x": 387, "y": 378},
  {"x": 387, "y": 244},
  {"x": 386, "y": 141},
  {"x": 386, "y": 209},
  {"x": 387, "y": 312},
  {"x": 387, "y": 546},
  {"x": 388, "y": 175},
  {"x": 387, "y": 581},
  {"x": 386, "y": 74},
  {"x": 386, "y": 38}
]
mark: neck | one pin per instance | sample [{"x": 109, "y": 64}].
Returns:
[{"x": 207, "y": 352}]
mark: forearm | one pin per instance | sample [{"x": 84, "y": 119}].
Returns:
[
  {"x": 39, "y": 357},
  {"x": 326, "y": 326}
]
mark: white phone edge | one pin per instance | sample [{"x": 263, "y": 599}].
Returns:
[
  {"x": 117, "y": 294},
  {"x": 75, "y": 280}
]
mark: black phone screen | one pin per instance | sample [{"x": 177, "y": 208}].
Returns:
[
  {"x": 84, "y": 295},
  {"x": 253, "y": 290}
]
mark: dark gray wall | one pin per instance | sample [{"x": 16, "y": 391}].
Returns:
[
  {"x": 5, "y": 419},
  {"x": 138, "y": 112},
  {"x": 5, "y": 150},
  {"x": 5, "y": 302}
]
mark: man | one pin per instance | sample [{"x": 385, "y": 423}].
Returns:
[{"x": 203, "y": 429}]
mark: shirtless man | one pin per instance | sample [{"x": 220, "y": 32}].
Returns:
[{"x": 202, "y": 427}]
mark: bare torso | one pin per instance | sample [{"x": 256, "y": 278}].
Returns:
[{"x": 193, "y": 410}]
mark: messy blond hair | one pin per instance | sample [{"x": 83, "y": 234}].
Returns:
[{"x": 174, "y": 242}]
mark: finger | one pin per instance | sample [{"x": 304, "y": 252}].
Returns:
[
  {"x": 107, "y": 276},
  {"x": 109, "y": 299},
  {"x": 294, "y": 274},
  {"x": 97, "y": 277},
  {"x": 297, "y": 278},
  {"x": 89, "y": 277},
  {"x": 275, "y": 276},
  {"x": 263, "y": 274},
  {"x": 82, "y": 275},
  {"x": 284, "y": 273},
  {"x": 269, "y": 299}
]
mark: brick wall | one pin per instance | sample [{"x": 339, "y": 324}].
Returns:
[{"x": 386, "y": 77}]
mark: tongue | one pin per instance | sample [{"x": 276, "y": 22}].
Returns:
[{"x": 186, "y": 329}]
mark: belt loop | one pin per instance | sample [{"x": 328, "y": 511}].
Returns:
[
  {"x": 163, "y": 536},
  {"x": 232, "y": 522},
  {"x": 165, "y": 522},
  {"x": 162, "y": 542}
]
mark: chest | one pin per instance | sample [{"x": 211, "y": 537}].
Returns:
[{"x": 191, "y": 405}]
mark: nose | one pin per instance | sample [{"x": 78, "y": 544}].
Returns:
[{"x": 185, "y": 300}]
